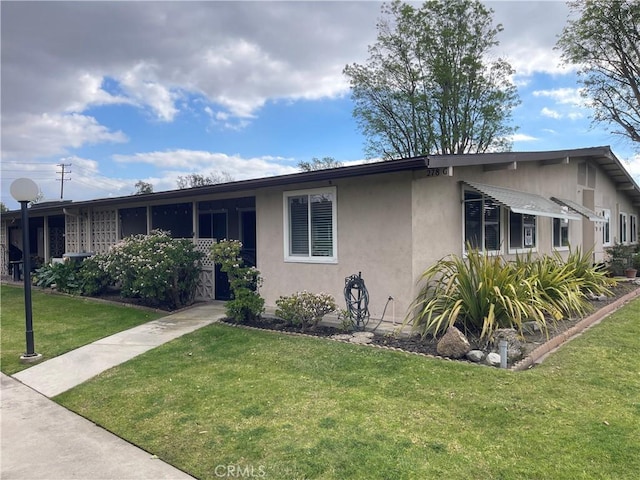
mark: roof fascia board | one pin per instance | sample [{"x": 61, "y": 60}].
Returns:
[
  {"x": 251, "y": 185},
  {"x": 559, "y": 156}
]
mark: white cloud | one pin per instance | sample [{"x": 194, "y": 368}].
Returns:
[
  {"x": 547, "y": 112},
  {"x": 31, "y": 136},
  {"x": 193, "y": 161},
  {"x": 89, "y": 92},
  {"x": 562, "y": 96},
  {"x": 530, "y": 34},
  {"x": 141, "y": 84},
  {"x": 521, "y": 137},
  {"x": 633, "y": 166}
]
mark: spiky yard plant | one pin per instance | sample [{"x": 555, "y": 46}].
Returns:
[
  {"x": 554, "y": 285},
  {"x": 592, "y": 278},
  {"x": 562, "y": 285},
  {"x": 480, "y": 293}
]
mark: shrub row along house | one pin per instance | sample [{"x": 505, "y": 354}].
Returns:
[{"x": 388, "y": 220}]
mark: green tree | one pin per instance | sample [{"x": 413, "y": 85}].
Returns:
[
  {"x": 3, "y": 208},
  {"x": 604, "y": 42},
  {"x": 198, "y": 180},
  {"x": 143, "y": 187},
  {"x": 319, "y": 164},
  {"x": 427, "y": 86}
]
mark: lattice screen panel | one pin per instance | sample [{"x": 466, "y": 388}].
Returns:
[
  {"x": 206, "y": 289},
  {"x": 71, "y": 234},
  {"x": 204, "y": 245},
  {"x": 103, "y": 230}
]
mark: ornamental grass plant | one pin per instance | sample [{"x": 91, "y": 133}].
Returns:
[{"x": 481, "y": 292}]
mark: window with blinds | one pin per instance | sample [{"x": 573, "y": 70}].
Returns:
[
  {"x": 481, "y": 222},
  {"x": 310, "y": 223}
]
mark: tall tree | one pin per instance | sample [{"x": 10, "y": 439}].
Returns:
[
  {"x": 319, "y": 164},
  {"x": 604, "y": 41},
  {"x": 198, "y": 180},
  {"x": 428, "y": 87},
  {"x": 143, "y": 187}
]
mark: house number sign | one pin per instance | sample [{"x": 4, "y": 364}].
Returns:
[{"x": 440, "y": 172}]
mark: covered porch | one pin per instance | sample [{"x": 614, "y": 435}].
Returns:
[{"x": 89, "y": 229}]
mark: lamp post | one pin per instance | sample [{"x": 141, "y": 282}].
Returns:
[{"x": 25, "y": 190}]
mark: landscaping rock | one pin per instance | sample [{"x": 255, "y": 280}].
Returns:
[
  {"x": 345, "y": 337},
  {"x": 492, "y": 359},
  {"x": 362, "y": 337},
  {"x": 453, "y": 344},
  {"x": 475, "y": 356},
  {"x": 514, "y": 345},
  {"x": 597, "y": 298},
  {"x": 530, "y": 327}
]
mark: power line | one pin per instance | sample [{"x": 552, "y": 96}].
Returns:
[{"x": 62, "y": 179}]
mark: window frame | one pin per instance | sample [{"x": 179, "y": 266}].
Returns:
[
  {"x": 623, "y": 237},
  {"x": 483, "y": 198},
  {"x": 606, "y": 227},
  {"x": 633, "y": 228},
  {"x": 310, "y": 258},
  {"x": 523, "y": 248},
  {"x": 562, "y": 222}
]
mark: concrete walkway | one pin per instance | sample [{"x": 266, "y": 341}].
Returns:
[{"x": 42, "y": 440}]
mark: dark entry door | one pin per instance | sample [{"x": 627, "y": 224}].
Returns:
[
  {"x": 215, "y": 225},
  {"x": 248, "y": 236}
]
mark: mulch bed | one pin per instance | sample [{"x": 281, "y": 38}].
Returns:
[
  {"x": 413, "y": 343},
  {"x": 427, "y": 345}
]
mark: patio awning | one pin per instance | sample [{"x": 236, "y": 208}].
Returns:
[
  {"x": 584, "y": 211},
  {"x": 523, "y": 202}
]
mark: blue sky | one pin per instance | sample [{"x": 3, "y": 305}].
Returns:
[{"x": 128, "y": 91}]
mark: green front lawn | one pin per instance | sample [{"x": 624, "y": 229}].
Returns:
[
  {"x": 60, "y": 324},
  {"x": 287, "y": 407}
]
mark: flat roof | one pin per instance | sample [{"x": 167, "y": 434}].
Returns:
[{"x": 603, "y": 156}]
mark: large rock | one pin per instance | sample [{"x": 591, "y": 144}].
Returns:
[
  {"x": 492, "y": 359},
  {"x": 514, "y": 345},
  {"x": 475, "y": 356},
  {"x": 453, "y": 344}
]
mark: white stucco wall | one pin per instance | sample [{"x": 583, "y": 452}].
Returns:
[
  {"x": 392, "y": 227},
  {"x": 374, "y": 237}
]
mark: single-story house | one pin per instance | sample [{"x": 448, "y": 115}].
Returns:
[{"x": 389, "y": 220}]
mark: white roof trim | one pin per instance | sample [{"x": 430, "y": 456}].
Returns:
[
  {"x": 582, "y": 210},
  {"x": 523, "y": 202}
]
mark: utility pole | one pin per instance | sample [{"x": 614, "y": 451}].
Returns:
[{"x": 62, "y": 179}]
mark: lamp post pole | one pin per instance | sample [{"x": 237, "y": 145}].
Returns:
[
  {"x": 26, "y": 274},
  {"x": 25, "y": 190}
]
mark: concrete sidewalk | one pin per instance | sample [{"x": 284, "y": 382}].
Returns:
[
  {"x": 42, "y": 440},
  {"x": 62, "y": 373}
]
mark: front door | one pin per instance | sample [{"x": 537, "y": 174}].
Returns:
[
  {"x": 248, "y": 236},
  {"x": 215, "y": 225}
]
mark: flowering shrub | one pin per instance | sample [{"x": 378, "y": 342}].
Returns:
[
  {"x": 92, "y": 279},
  {"x": 305, "y": 309},
  {"x": 246, "y": 304},
  {"x": 161, "y": 270}
]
